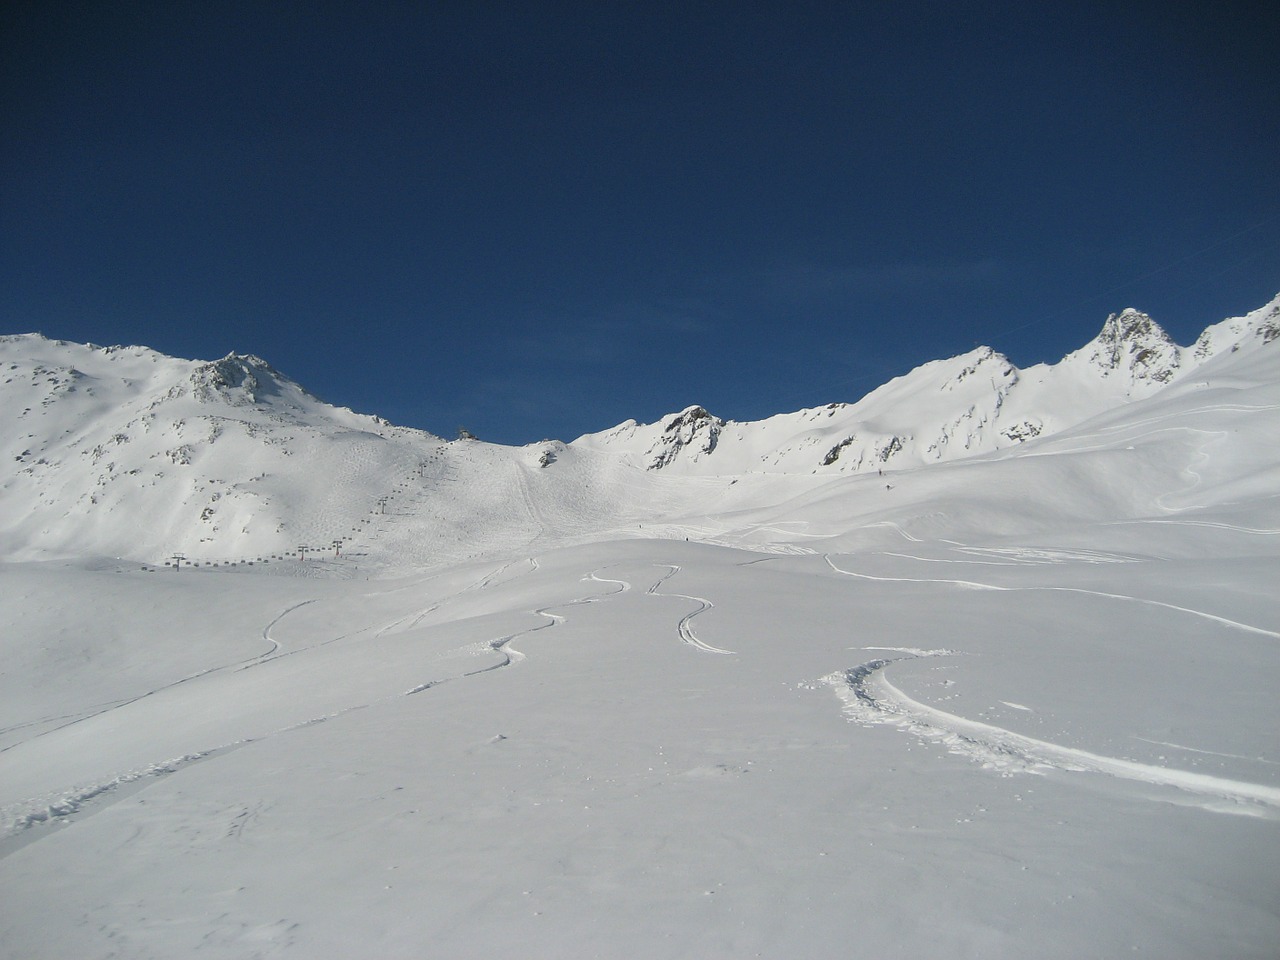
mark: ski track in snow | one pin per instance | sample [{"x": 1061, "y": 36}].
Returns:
[
  {"x": 1208, "y": 753},
  {"x": 480, "y": 584},
  {"x": 266, "y": 633},
  {"x": 686, "y": 631},
  {"x": 503, "y": 645},
  {"x": 975, "y": 585},
  {"x": 870, "y": 698},
  {"x": 1233, "y": 528},
  {"x": 1025, "y": 555},
  {"x": 63, "y": 807},
  {"x": 17, "y": 820},
  {"x": 896, "y": 527},
  {"x": 526, "y": 499},
  {"x": 271, "y": 654}
]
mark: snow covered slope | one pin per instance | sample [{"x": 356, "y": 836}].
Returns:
[
  {"x": 123, "y": 452},
  {"x": 945, "y": 410},
  {"x": 1018, "y": 704}
]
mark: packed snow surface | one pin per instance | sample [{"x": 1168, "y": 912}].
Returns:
[{"x": 689, "y": 689}]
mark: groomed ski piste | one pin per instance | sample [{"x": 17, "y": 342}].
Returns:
[{"x": 1016, "y": 703}]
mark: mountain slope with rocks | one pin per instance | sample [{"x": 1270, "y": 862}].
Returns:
[
  {"x": 978, "y": 402},
  {"x": 123, "y": 452}
]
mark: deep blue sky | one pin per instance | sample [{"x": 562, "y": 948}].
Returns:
[{"x": 541, "y": 219}]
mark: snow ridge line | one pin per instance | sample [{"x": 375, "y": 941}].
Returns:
[
  {"x": 686, "y": 631},
  {"x": 870, "y": 698}
]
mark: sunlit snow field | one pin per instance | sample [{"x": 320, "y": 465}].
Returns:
[{"x": 1018, "y": 705}]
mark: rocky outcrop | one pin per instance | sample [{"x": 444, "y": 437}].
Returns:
[
  {"x": 692, "y": 429},
  {"x": 1133, "y": 345}
]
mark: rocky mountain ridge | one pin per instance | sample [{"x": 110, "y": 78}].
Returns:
[
  {"x": 122, "y": 451},
  {"x": 978, "y": 402}
]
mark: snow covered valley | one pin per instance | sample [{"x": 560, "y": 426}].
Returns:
[{"x": 648, "y": 694}]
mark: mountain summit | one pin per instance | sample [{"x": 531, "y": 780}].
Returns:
[
  {"x": 1136, "y": 348},
  {"x": 121, "y": 451},
  {"x": 975, "y": 403}
]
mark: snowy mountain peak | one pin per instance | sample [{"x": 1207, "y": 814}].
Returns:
[
  {"x": 231, "y": 457},
  {"x": 981, "y": 361},
  {"x": 1262, "y": 326},
  {"x": 239, "y": 379},
  {"x": 114, "y": 450},
  {"x": 1132, "y": 343},
  {"x": 976, "y": 403},
  {"x": 693, "y": 428},
  {"x": 686, "y": 417}
]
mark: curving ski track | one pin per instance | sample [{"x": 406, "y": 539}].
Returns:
[
  {"x": 686, "y": 631},
  {"x": 63, "y": 807},
  {"x": 870, "y": 698},
  {"x": 975, "y": 585},
  {"x": 75, "y": 718}
]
